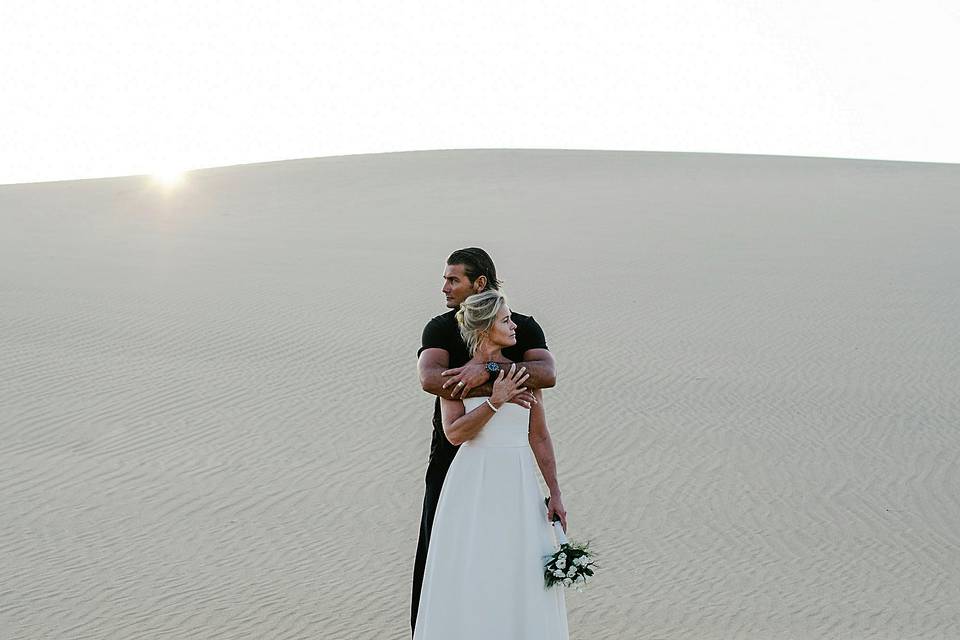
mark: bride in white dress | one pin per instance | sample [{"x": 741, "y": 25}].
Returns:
[{"x": 484, "y": 569}]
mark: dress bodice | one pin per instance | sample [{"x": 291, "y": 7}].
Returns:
[{"x": 506, "y": 428}]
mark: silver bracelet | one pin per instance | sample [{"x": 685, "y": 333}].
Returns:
[{"x": 491, "y": 406}]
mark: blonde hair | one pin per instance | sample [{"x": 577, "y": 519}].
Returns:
[{"x": 477, "y": 314}]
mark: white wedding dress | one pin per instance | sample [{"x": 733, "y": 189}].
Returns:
[{"x": 484, "y": 572}]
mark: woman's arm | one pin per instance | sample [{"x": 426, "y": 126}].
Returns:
[
  {"x": 541, "y": 444},
  {"x": 460, "y": 426}
]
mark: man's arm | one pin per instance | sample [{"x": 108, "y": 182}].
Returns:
[
  {"x": 539, "y": 364},
  {"x": 434, "y": 361},
  {"x": 430, "y": 366},
  {"x": 542, "y": 368}
]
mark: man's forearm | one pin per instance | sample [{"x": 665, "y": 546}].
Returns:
[
  {"x": 542, "y": 374},
  {"x": 432, "y": 383},
  {"x": 541, "y": 377}
]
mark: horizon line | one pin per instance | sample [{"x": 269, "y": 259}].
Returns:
[{"x": 439, "y": 150}]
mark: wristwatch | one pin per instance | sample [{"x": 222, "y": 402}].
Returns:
[{"x": 493, "y": 368}]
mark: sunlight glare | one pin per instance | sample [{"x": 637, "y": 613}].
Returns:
[{"x": 168, "y": 177}]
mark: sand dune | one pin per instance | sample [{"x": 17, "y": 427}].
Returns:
[{"x": 212, "y": 426}]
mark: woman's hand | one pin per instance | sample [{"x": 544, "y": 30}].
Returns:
[
  {"x": 507, "y": 385},
  {"x": 555, "y": 506}
]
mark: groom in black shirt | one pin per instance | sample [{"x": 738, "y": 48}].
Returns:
[{"x": 445, "y": 369}]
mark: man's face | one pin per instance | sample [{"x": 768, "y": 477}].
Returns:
[{"x": 456, "y": 285}]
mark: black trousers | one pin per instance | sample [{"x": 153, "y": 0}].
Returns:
[{"x": 436, "y": 472}]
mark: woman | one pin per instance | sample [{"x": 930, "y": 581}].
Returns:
[{"x": 484, "y": 568}]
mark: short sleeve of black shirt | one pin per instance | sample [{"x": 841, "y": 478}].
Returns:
[
  {"x": 436, "y": 335},
  {"x": 443, "y": 332}
]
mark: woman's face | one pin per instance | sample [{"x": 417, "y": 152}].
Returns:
[{"x": 503, "y": 332}]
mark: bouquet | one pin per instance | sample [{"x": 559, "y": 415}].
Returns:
[{"x": 571, "y": 564}]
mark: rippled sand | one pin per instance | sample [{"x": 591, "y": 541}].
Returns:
[{"x": 212, "y": 426}]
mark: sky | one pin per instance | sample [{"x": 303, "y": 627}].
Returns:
[{"x": 110, "y": 88}]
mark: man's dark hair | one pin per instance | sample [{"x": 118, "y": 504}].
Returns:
[{"x": 476, "y": 263}]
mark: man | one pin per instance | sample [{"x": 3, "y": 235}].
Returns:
[{"x": 445, "y": 369}]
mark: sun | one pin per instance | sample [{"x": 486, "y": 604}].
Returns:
[{"x": 168, "y": 177}]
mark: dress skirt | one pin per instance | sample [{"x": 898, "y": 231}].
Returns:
[{"x": 484, "y": 570}]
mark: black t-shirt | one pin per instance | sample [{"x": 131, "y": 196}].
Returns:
[{"x": 443, "y": 332}]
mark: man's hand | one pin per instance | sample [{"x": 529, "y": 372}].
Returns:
[{"x": 464, "y": 378}]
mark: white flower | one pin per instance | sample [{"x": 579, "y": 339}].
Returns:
[
  {"x": 578, "y": 560},
  {"x": 558, "y": 573},
  {"x": 567, "y": 582},
  {"x": 580, "y": 578},
  {"x": 572, "y": 571},
  {"x": 561, "y": 564},
  {"x": 562, "y": 556}
]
